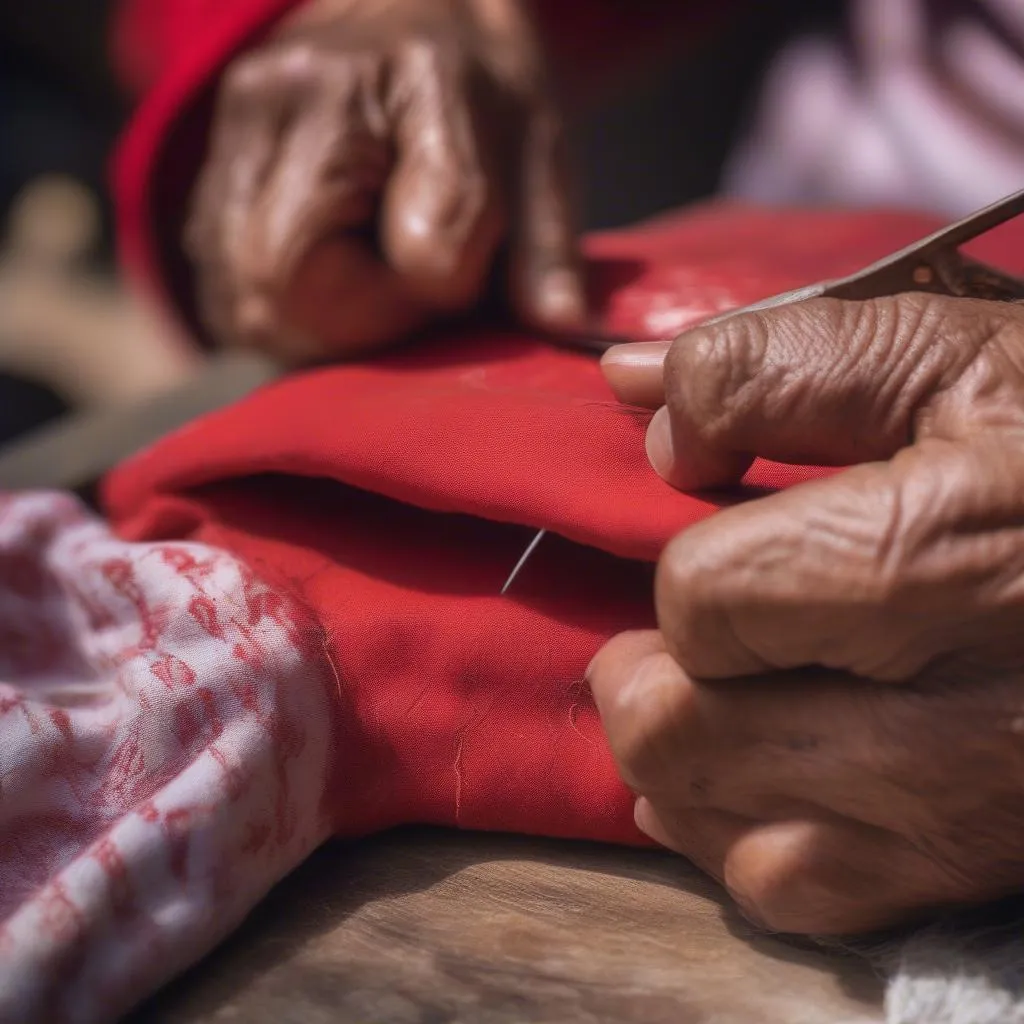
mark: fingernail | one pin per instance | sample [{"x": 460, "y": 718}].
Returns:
[
  {"x": 560, "y": 300},
  {"x": 660, "y": 452},
  {"x": 637, "y": 355},
  {"x": 640, "y": 815},
  {"x": 254, "y": 314}
]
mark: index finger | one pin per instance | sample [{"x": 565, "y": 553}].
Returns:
[
  {"x": 245, "y": 137},
  {"x": 820, "y": 382},
  {"x": 880, "y": 570}
]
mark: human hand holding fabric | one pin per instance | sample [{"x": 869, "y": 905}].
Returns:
[
  {"x": 830, "y": 719},
  {"x": 365, "y": 164}
]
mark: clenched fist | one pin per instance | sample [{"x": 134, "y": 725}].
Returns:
[
  {"x": 831, "y": 716},
  {"x": 363, "y": 168}
]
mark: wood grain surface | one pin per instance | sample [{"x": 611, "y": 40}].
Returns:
[{"x": 425, "y": 927}]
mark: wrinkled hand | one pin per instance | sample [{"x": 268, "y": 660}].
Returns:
[
  {"x": 831, "y": 717},
  {"x": 364, "y": 166}
]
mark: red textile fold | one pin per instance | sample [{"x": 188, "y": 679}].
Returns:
[{"x": 391, "y": 498}]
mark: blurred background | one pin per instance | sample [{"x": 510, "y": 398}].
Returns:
[
  {"x": 60, "y": 109},
  {"x": 59, "y": 112},
  {"x": 648, "y": 142}
]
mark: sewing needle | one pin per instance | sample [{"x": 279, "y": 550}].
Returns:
[{"x": 522, "y": 561}]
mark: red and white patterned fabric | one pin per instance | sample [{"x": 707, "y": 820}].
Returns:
[{"x": 164, "y": 743}]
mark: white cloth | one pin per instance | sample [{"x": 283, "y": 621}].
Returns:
[{"x": 164, "y": 744}]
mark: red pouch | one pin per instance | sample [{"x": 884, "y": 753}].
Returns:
[{"x": 394, "y": 497}]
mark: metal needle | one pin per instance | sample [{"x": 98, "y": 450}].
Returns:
[{"x": 522, "y": 561}]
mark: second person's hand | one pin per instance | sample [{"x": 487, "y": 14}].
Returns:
[{"x": 364, "y": 166}]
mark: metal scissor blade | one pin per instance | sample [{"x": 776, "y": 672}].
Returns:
[
  {"x": 597, "y": 342},
  {"x": 958, "y": 233},
  {"x": 932, "y": 264}
]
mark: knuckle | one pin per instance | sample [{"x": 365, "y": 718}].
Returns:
[
  {"x": 700, "y": 570},
  {"x": 709, "y": 372},
  {"x": 914, "y": 345},
  {"x": 788, "y": 896},
  {"x": 448, "y": 235},
  {"x": 300, "y": 64},
  {"x": 264, "y": 81},
  {"x": 881, "y": 330},
  {"x": 890, "y": 513},
  {"x": 292, "y": 65},
  {"x": 896, "y": 336},
  {"x": 918, "y": 504},
  {"x": 649, "y": 725},
  {"x": 994, "y": 375},
  {"x": 685, "y": 571},
  {"x": 247, "y": 75}
]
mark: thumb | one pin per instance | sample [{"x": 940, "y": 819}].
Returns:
[
  {"x": 636, "y": 372},
  {"x": 821, "y": 382}
]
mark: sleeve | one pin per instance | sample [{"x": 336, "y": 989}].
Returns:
[{"x": 171, "y": 53}]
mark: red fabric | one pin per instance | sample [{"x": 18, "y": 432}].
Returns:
[
  {"x": 178, "y": 48},
  {"x": 391, "y": 497},
  {"x": 149, "y": 35}
]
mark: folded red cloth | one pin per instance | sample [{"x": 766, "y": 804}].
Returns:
[
  {"x": 181, "y": 723},
  {"x": 391, "y": 497}
]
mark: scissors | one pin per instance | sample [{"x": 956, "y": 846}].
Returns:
[{"x": 933, "y": 264}]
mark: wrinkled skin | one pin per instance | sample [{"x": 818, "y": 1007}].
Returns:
[
  {"x": 364, "y": 165},
  {"x": 830, "y": 719}
]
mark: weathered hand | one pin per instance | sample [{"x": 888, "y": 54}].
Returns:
[
  {"x": 831, "y": 718},
  {"x": 364, "y": 165}
]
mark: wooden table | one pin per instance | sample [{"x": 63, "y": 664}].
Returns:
[{"x": 425, "y": 927}]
